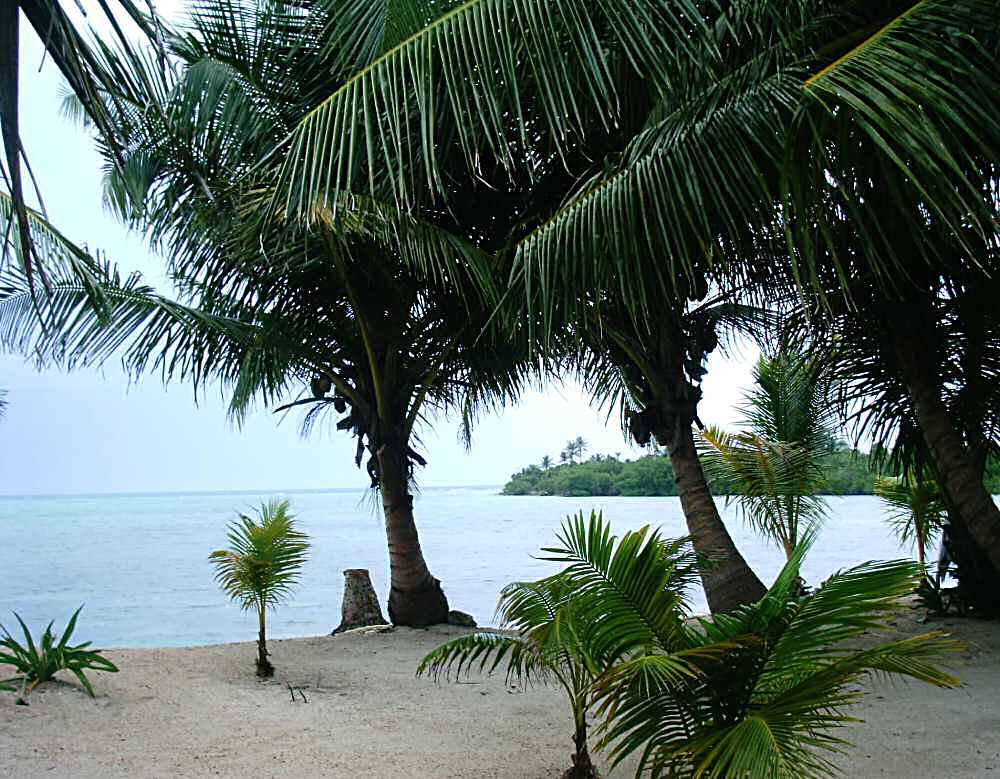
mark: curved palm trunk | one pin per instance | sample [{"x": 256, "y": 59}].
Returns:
[
  {"x": 415, "y": 596},
  {"x": 728, "y": 581},
  {"x": 956, "y": 467}
]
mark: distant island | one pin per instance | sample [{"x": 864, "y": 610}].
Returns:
[{"x": 847, "y": 471}]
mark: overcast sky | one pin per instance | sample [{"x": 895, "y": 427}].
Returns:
[{"x": 90, "y": 432}]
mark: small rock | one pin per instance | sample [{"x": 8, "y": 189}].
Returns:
[{"x": 461, "y": 619}]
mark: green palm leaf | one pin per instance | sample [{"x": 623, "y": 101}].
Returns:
[
  {"x": 771, "y": 682},
  {"x": 632, "y": 588},
  {"x": 485, "y": 75},
  {"x": 893, "y": 88}
]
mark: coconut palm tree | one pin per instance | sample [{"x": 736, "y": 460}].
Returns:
[
  {"x": 908, "y": 239},
  {"x": 652, "y": 371},
  {"x": 772, "y": 466},
  {"x": 376, "y": 314},
  {"x": 262, "y": 564},
  {"x": 916, "y": 510}
]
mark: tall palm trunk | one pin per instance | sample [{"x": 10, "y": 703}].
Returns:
[
  {"x": 415, "y": 596},
  {"x": 728, "y": 580},
  {"x": 956, "y": 467}
]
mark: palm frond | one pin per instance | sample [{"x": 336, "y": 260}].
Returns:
[
  {"x": 487, "y": 77},
  {"x": 484, "y": 653},
  {"x": 916, "y": 508},
  {"x": 632, "y": 590},
  {"x": 929, "y": 139},
  {"x": 775, "y": 483}
]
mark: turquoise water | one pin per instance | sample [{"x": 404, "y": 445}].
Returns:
[{"x": 139, "y": 562}]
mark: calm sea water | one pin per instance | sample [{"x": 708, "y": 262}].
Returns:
[{"x": 139, "y": 562}]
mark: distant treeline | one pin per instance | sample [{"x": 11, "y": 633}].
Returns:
[{"x": 847, "y": 473}]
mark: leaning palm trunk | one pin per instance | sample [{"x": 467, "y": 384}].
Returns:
[
  {"x": 666, "y": 393},
  {"x": 415, "y": 596},
  {"x": 728, "y": 580},
  {"x": 960, "y": 478}
]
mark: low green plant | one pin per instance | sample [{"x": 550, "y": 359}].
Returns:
[
  {"x": 759, "y": 691},
  {"x": 550, "y": 637},
  {"x": 915, "y": 509},
  {"x": 38, "y": 663},
  {"x": 769, "y": 683},
  {"x": 545, "y": 649},
  {"x": 263, "y": 562}
]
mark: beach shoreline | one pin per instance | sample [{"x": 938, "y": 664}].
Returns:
[{"x": 200, "y": 712}]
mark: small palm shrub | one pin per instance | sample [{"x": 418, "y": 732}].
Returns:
[
  {"x": 755, "y": 692},
  {"x": 263, "y": 562},
  {"x": 545, "y": 649},
  {"x": 552, "y": 639},
  {"x": 38, "y": 663},
  {"x": 916, "y": 510}
]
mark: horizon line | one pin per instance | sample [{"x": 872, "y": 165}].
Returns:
[{"x": 277, "y": 491}]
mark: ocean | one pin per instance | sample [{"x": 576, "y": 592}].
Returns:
[{"x": 139, "y": 562}]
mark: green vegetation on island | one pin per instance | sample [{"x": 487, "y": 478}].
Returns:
[{"x": 847, "y": 472}]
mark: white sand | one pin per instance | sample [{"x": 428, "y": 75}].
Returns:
[{"x": 200, "y": 712}]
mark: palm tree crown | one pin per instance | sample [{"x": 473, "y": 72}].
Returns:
[{"x": 772, "y": 466}]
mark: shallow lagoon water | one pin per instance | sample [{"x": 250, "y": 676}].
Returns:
[{"x": 139, "y": 562}]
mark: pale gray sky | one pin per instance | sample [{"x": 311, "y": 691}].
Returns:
[{"x": 91, "y": 432}]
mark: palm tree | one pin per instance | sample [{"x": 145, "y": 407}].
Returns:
[
  {"x": 907, "y": 254},
  {"x": 668, "y": 121},
  {"x": 941, "y": 335},
  {"x": 373, "y": 313},
  {"x": 766, "y": 686},
  {"x": 544, "y": 639},
  {"x": 546, "y": 463},
  {"x": 916, "y": 509},
  {"x": 773, "y": 465},
  {"x": 263, "y": 562},
  {"x": 545, "y": 649},
  {"x": 574, "y": 450}
]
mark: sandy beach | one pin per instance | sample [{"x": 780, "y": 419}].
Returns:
[{"x": 200, "y": 712}]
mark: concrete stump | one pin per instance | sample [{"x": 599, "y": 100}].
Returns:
[{"x": 360, "y": 607}]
